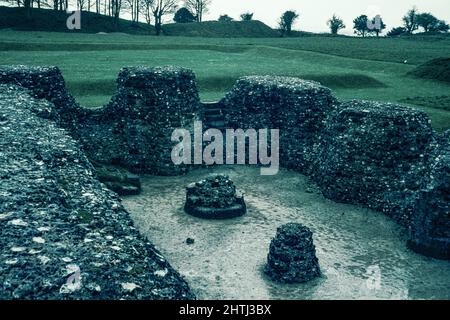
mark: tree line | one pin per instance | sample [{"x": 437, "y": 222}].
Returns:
[{"x": 154, "y": 11}]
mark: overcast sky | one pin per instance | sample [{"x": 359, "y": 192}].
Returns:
[{"x": 315, "y": 13}]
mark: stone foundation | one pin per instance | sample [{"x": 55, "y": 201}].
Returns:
[
  {"x": 297, "y": 107},
  {"x": 292, "y": 255},
  {"x": 380, "y": 155},
  {"x": 374, "y": 154},
  {"x": 64, "y": 235},
  {"x": 430, "y": 225}
]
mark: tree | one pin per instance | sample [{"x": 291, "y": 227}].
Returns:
[
  {"x": 376, "y": 25},
  {"x": 146, "y": 8},
  {"x": 134, "y": 7},
  {"x": 160, "y": 8},
  {"x": 198, "y": 8},
  {"x": 427, "y": 21},
  {"x": 335, "y": 24},
  {"x": 440, "y": 26},
  {"x": 398, "y": 31},
  {"x": 286, "y": 22},
  {"x": 116, "y": 6},
  {"x": 183, "y": 15},
  {"x": 247, "y": 16},
  {"x": 27, "y": 5},
  {"x": 225, "y": 18},
  {"x": 410, "y": 21},
  {"x": 361, "y": 25},
  {"x": 81, "y": 4}
]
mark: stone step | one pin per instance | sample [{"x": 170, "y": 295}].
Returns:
[
  {"x": 212, "y": 111},
  {"x": 214, "y": 117},
  {"x": 211, "y": 105},
  {"x": 220, "y": 124}
]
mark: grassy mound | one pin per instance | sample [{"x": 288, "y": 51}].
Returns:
[
  {"x": 55, "y": 21},
  {"x": 436, "y": 69},
  {"x": 217, "y": 29},
  {"x": 438, "y": 102},
  {"x": 333, "y": 81},
  {"x": 346, "y": 81}
]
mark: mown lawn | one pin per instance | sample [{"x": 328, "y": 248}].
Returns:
[{"x": 372, "y": 69}]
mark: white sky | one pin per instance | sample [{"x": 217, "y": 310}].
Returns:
[{"x": 315, "y": 13}]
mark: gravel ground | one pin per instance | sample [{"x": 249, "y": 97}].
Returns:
[{"x": 362, "y": 253}]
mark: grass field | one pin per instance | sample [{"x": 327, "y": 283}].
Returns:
[{"x": 354, "y": 68}]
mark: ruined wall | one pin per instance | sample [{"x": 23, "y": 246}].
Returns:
[
  {"x": 297, "y": 107},
  {"x": 430, "y": 223},
  {"x": 379, "y": 155},
  {"x": 56, "y": 218},
  {"x": 374, "y": 154},
  {"x": 135, "y": 128},
  {"x": 45, "y": 83}
]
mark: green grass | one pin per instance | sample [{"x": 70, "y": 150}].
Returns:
[
  {"x": 55, "y": 21},
  {"x": 372, "y": 69},
  {"x": 232, "y": 29},
  {"x": 436, "y": 69}
]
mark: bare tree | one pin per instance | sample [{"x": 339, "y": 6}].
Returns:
[
  {"x": 81, "y": 4},
  {"x": 159, "y": 9},
  {"x": 133, "y": 7},
  {"x": 198, "y": 7},
  {"x": 146, "y": 8}
]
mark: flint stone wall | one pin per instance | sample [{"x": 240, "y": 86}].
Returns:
[
  {"x": 45, "y": 83},
  {"x": 380, "y": 155},
  {"x": 374, "y": 154},
  {"x": 56, "y": 218},
  {"x": 297, "y": 107},
  {"x": 134, "y": 130},
  {"x": 430, "y": 225}
]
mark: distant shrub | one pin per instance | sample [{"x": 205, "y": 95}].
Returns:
[
  {"x": 398, "y": 31},
  {"x": 225, "y": 18},
  {"x": 247, "y": 16},
  {"x": 184, "y": 16}
]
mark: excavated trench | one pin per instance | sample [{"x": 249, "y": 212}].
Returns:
[{"x": 362, "y": 253}]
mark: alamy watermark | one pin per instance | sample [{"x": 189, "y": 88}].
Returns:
[
  {"x": 73, "y": 22},
  {"x": 376, "y": 22},
  {"x": 208, "y": 147}
]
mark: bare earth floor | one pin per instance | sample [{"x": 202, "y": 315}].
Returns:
[{"x": 362, "y": 253}]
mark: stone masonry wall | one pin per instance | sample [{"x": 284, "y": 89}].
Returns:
[
  {"x": 135, "y": 128},
  {"x": 374, "y": 154},
  {"x": 430, "y": 225},
  {"x": 297, "y": 107},
  {"x": 380, "y": 155},
  {"x": 63, "y": 234}
]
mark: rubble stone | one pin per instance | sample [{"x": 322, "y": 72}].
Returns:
[
  {"x": 374, "y": 154},
  {"x": 297, "y": 107},
  {"x": 292, "y": 255},
  {"x": 214, "y": 198},
  {"x": 134, "y": 130},
  {"x": 64, "y": 235},
  {"x": 430, "y": 225}
]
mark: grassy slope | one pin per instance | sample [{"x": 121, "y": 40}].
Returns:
[
  {"x": 353, "y": 67},
  {"x": 233, "y": 29},
  {"x": 437, "y": 69},
  {"x": 55, "y": 21}
]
